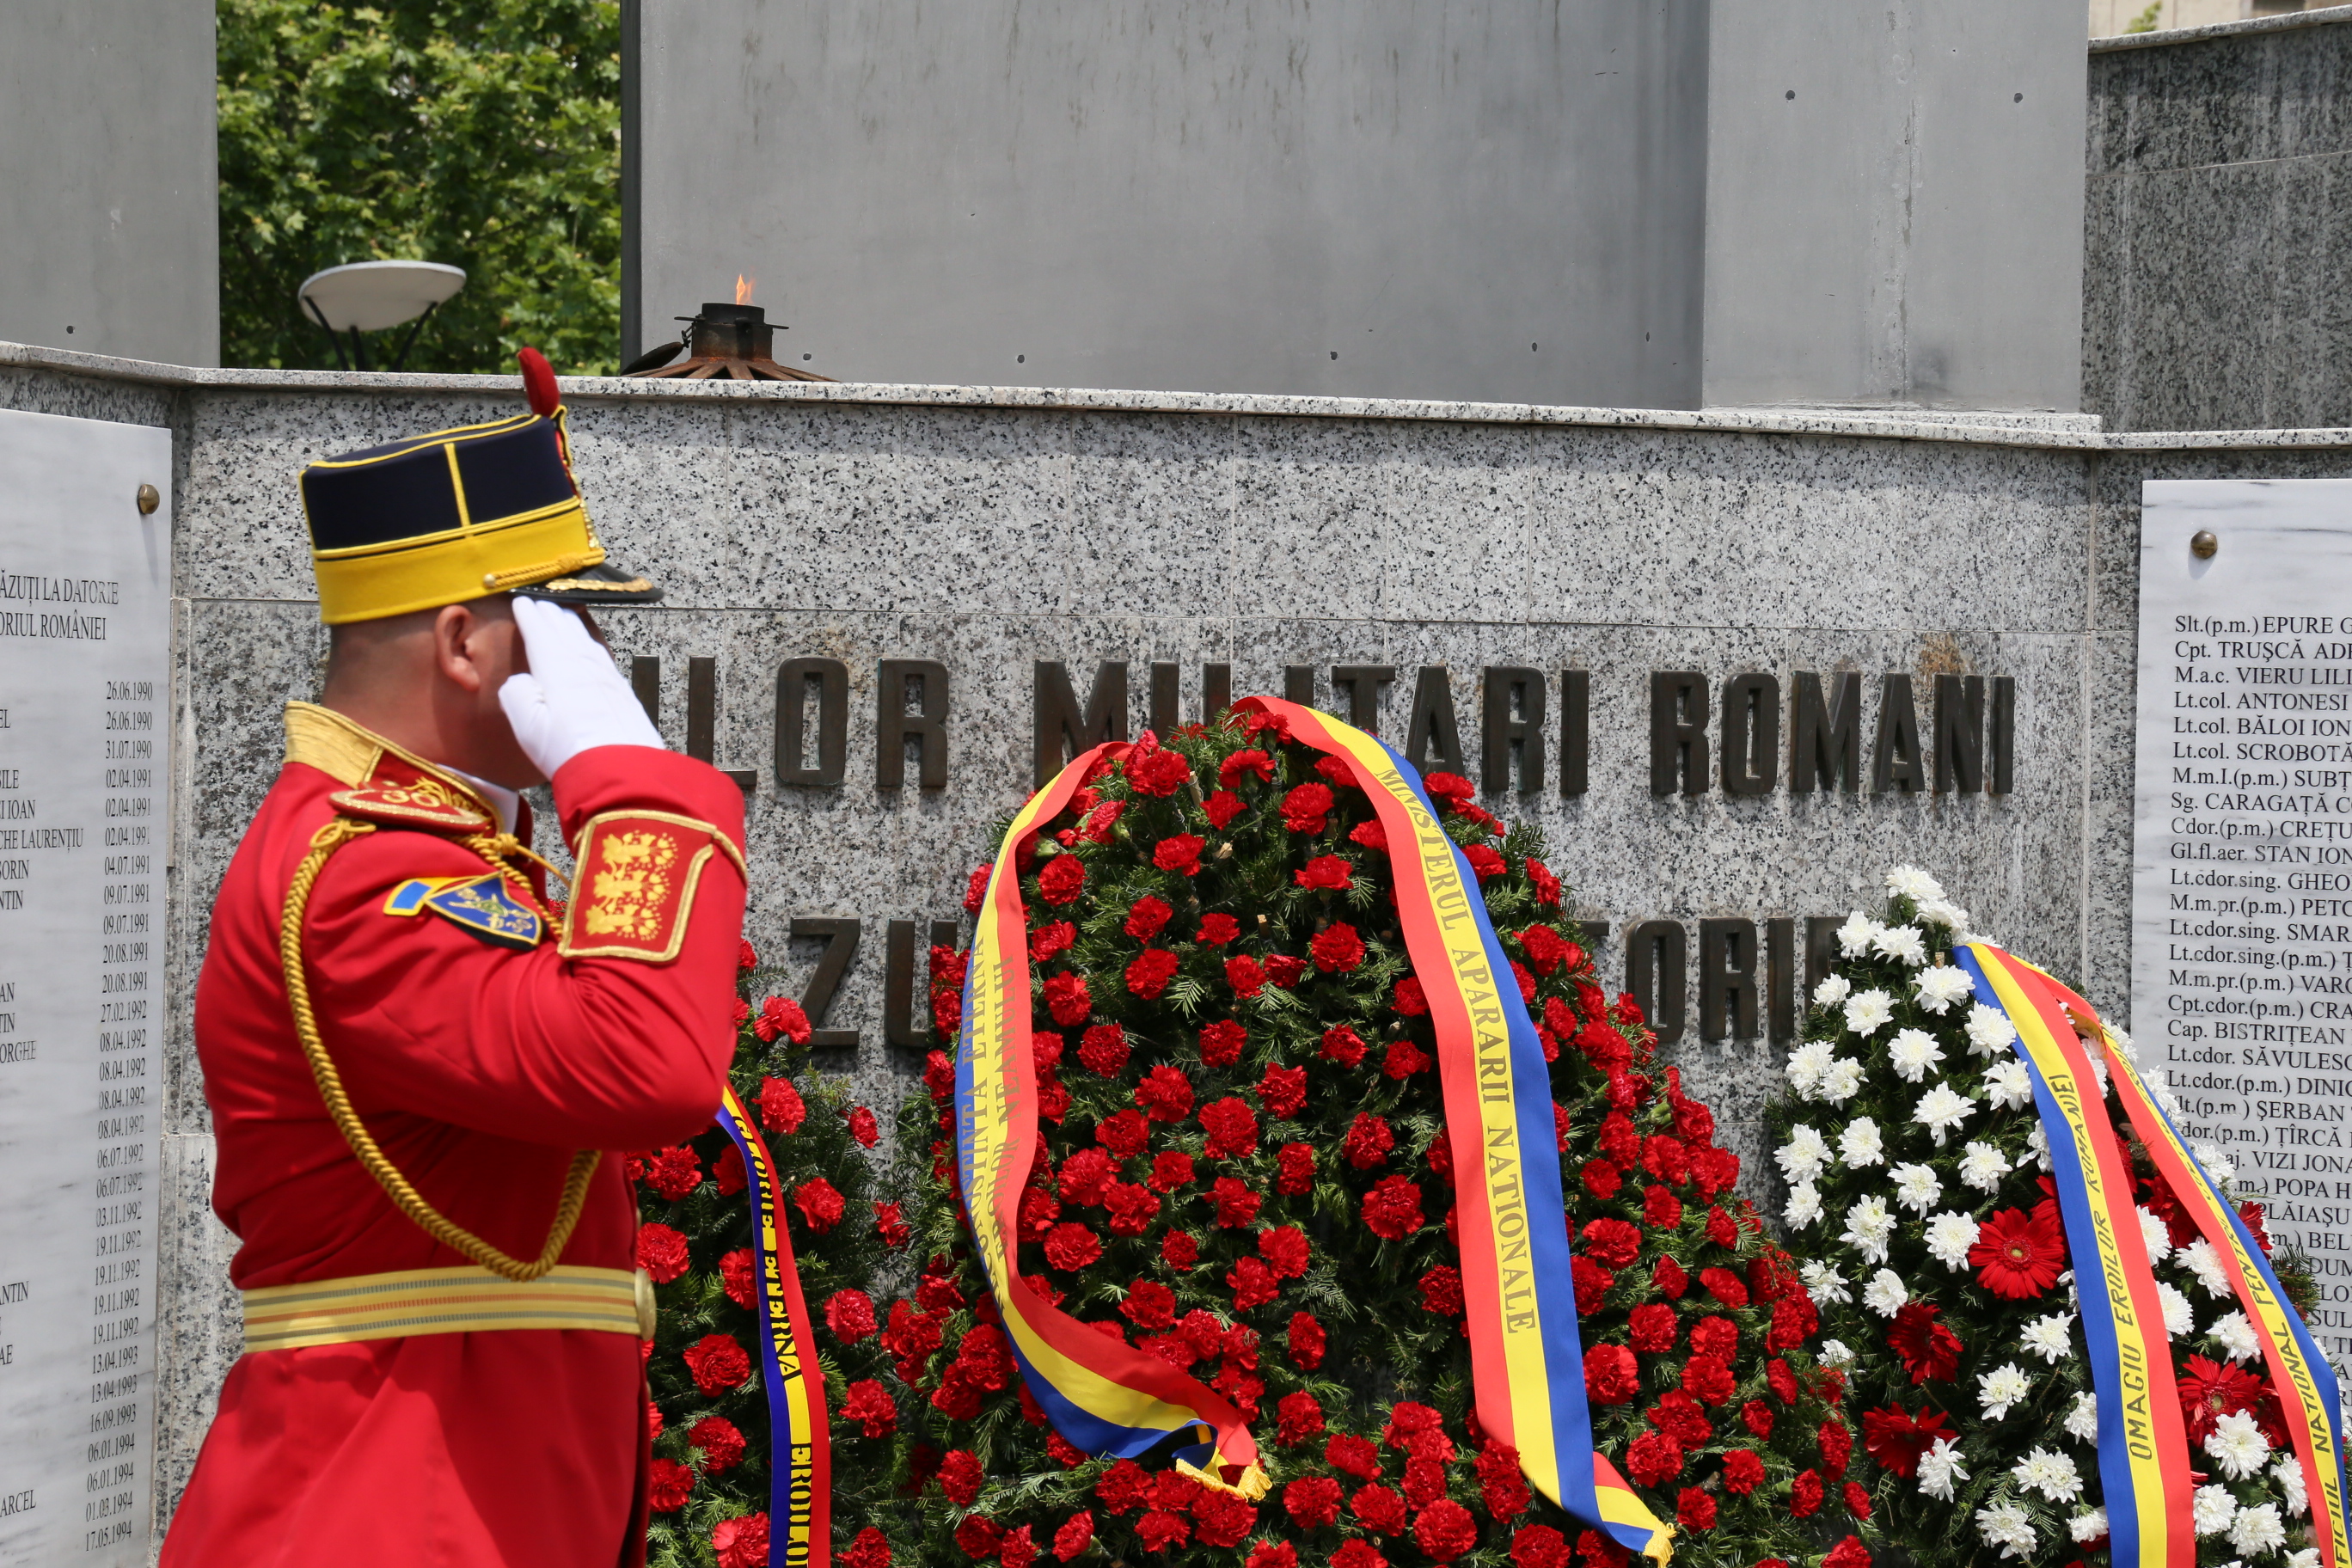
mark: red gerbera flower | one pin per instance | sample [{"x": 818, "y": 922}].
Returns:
[
  {"x": 1931, "y": 1352},
  {"x": 1896, "y": 1439},
  {"x": 2018, "y": 1256},
  {"x": 2209, "y": 1390}
]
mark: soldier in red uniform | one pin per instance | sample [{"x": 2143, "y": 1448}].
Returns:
[{"x": 415, "y": 1054}]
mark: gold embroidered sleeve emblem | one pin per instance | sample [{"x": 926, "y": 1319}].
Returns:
[
  {"x": 629, "y": 890},
  {"x": 634, "y": 892}
]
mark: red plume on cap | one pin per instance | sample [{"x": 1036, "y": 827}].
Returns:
[{"x": 539, "y": 382}]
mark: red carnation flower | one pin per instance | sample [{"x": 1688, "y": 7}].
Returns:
[
  {"x": 1449, "y": 792},
  {"x": 1077, "y": 1533},
  {"x": 673, "y": 1172},
  {"x": 960, "y": 1477},
  {"x": 661, "y": 1252},
  {"x": 721, "y": 1442},
  {"x": 1312, "y": 1501},
  {"x": 1070, "y": 1247},
  {"x": 1613, "y": 1243},
  {"x": 1357, "y": 1554},
  {"x": 1337, "y": 949},
  {"x": 1847, "y": 1553},
  {"x": 1611, "y": 1376},
  {"x": 1178, "y": 1250},
  {"x": 864, "y": 1127},
  {"x": 1743, "y": 1472},
  {"x": 1370, "y": 836},
  {"x": 1103, "y": 1051},
  {"x": 1149, "y": 1305},
  {"x": 1245, "y": 974},
  {"x": 718, "y": 1363},
  {"x": 1679, "y": 1417},
  {"x": 1715, "y": 1336},
  {"x": 1157, "y": 772},
  {"x": 1837, "y": 1447},
  {"x": 1805, "y": 1495},
  {"x": 1253, "y": 761},
  {"x": 1061, "y": 879},
  {"x": 1653, "y": 1459},
  {"x": 673, "y": 1483},
  {"x": 1272, "y": 1554},
  {"x": 1379, "y": 1508},
  {"x": 1253, "y": 1284},
  {"x": 1124, "y": 1133},
  {"x": 870, "y": 1550},
  {"x": 978, "y": 1537},
  {"x": 1165, "y": 1094},
  {"x": 1446, "y": 1529},
  {"x": 1693, "y": 1509},
  {"x": 1410, "y": 999},
  {"x": 1600, "y": 1178},
  {"x": 1653, "y": 1328},
  {"x": 1354, "y": 1454},
  {"x": 1217, "y": 929},
  {"x": 1237, "y": 1204},
  {"x": 1709, "y": 1379},
  {"x": 1403, "y": 1059},
  {"x": 1367, "y": 1142},
  {"x": 1124, "y": 1488},
  {"x": 1222, "y": 807},
  {"x": 1342, "y": 1045},
  {"x": 1486, "y": 862},
  {"x": 850, "y": 1315},
  {"x": 819, "y": 1203},
  {"x": 1331, "y": 872},
  {"x": 1661, "y": 1208},
  {"x": 781, "y": 1015},
  {"x": 1180, "y": 853},
  {"x": 1170, "y": 1169},
  {"x": 1285, "y": 1249},
  {"x": 1066, "y": 998},
  {"x": 781, "y": 1110},
  {"x": 1591, "y": 1282},
  {"x": 1221, "y": 1042},
  {"x": 2018, "y": 1256},
  {"x": 1158, "y": 1529},
  {"x": 1132, "y": 1208},
  {"x": 1305, "y": 806},
  {"x": 1283, "y": 1091},
  {"x": 1931, "y": 1352},
  {"x": 1539, "y": 1546},
  {"x": 736, "y": 1275},
  {"x": 1393, "y": 1208},
  {"x": 1086, "y": 1175},
  {"x": 869, "y": 1406},
  {"x": 1724, "y": 1286},
  {"x": 1050, "y": 939},
  {"x": 1223, "y": 1519},
  {"x": 1306, "y": 1341},
  {"x": 1149, "y": 971}
]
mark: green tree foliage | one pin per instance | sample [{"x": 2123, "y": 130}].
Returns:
[{"x": 483, "y": 133}]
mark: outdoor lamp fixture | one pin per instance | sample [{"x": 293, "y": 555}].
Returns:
[{"x": 369, "y": 296}]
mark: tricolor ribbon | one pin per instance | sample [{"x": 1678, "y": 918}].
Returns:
[
  {"x": 2313, "y": 1420},
  {"x": 800, "y": 1464},
  {"x": 2143, "y": 1467},
  {"x": 1103, "y": 1395},
  {"x": 1526, "y": 1356}
]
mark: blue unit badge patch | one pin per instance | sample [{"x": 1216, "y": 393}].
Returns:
[{"x": 484, "y": 905}]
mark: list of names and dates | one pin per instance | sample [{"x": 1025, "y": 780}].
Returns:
[
  {"x": 85, "y": 615},
  {"x": 2242, "y": 862}
]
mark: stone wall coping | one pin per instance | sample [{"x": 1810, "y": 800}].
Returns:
[
  {"x": 1973, "y": 427},
  {"x": 2166, "y": 37}
]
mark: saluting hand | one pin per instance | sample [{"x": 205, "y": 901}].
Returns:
[{"x": 574, "y": 698}]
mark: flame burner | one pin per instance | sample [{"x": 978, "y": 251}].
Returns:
[{"x": 724, "y": 343}]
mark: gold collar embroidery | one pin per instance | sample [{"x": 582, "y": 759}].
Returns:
[{"x": 350, "y": 753}]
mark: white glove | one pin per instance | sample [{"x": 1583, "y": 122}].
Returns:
[{"x": 573, "y": 698}]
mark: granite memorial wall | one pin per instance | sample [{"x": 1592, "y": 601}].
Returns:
[{"x": 1734, "y": 665}]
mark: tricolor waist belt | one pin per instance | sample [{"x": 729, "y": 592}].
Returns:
[{"x": 462, "y": 1301}]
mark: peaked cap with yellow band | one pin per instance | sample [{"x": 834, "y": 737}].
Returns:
[{"x": 456, "y": 514}]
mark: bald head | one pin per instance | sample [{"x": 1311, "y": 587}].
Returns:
[{"x": 429, "y": 683}]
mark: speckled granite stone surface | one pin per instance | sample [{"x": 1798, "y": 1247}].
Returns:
[
  {"x": 989, "y": 529},
  {"x": 2218, "y": 226}
]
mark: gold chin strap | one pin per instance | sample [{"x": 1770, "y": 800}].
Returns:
[
  {"x": 529, "y": 576},
  {"x": 405, "y": 1197}
]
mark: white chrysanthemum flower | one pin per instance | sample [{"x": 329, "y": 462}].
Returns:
[
  {"x": 2306, "y": 1558},
  {"x": 2001, "y": 1387},
  {"x": 1804, "y": 1206},
  {"x": 1989, "y": 1031},
  {"x": 1949, "y": 1236},
  {"x": 2179, "y": 1317},
  {"x": 1886, "y": 1293},
  {"x": 1833, "y": 1353},
  {"x": 1805, "y": 1066},
  {"x": 2258, "y": 1530},
  {"x": 2051, "y": 1474},
  {"x": 1867, "y": 1227},
  {"x": 2099, "y": 1070},
  {"x": 1912, "y": 883},
  {"x": 1946, "y": 913},
  {"x": 2216, "y": 1161},
  {"x": 1939, "y": 1467},
  {"x": 2008, "y": 1085},
  {"x": 1916, "y": 1188},
  {"x": 1903, "y": 943},
  {"x": 1867, "y": 1012},
  {"x": 2160, "y": 1083},
  {"x": 2004, "y": 1525},
  {"x": 1861, "y": 1144},
  {"x": 2288, "y": 1473},
  {"x": 2087, "y": 1528},
  {"x": 1982, "y": 1166},
  {"x": 1832, "y": 990},
  {"x": 1942, "y": 1108},
  {"x": 1853, "y": 937},
  {"x": 2083, "y": 1420},
  {"x": 2213, "y": 1509},
  {"x": 2236, "y": 1445},
  {"x": 2051, "y": 1337},
  {"x": 1912, "y": 1052},
  {"x": 2239, "y": 1340},
  {"x": 1941, "y": 986},
  {"x": 1824, "y": 1283},
  {"x": 2157, "y": 1233},
  {"x": 1842, "y": 1082},
  {"x": 1804, "y": 1156},
  {"x": 2037, "y": 1142},
  {"x": 2207, "y": 1265},
  {"x": 2118, "y": 1040}
]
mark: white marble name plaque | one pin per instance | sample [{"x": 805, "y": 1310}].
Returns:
[
  {"x": 2241, "y": 852},
  {"x": 85, "y": 732}
]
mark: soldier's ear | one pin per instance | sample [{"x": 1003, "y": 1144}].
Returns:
[{"x": 457, "y": 653}]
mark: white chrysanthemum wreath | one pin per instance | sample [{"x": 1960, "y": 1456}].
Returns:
[{"x": 1916, "y": 1171}]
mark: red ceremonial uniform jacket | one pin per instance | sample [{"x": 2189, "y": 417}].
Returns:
[{"x": 479, "y": 1069}]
